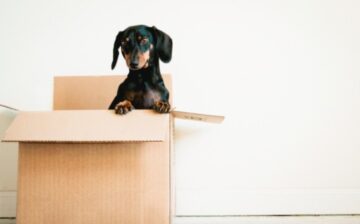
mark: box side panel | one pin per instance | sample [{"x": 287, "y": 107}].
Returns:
[
  {"x": 89, "y": 92},
  {"x": 94, "y": 183}
]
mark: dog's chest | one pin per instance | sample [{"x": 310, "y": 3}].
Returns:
[{"x": 143, "y": 98}]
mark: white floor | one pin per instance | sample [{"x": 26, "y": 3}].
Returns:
[
  {"x": 255, "y": 220},
  {"x": 270, "y": 220}
]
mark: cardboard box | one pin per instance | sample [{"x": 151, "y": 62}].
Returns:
[{"x": 84, "y": 164}]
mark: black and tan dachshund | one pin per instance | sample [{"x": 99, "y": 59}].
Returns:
[{"x": 143, "y": 88}]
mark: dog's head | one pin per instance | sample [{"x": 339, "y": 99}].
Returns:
[{"x": 141, "y": 46}]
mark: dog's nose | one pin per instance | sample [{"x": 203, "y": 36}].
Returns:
[{"x": 134, "y": 64}]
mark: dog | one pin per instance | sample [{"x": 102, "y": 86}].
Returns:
[{"x": 143, "y": 88}]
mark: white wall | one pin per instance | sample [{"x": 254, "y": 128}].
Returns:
[{"x": 286, "y": 75}]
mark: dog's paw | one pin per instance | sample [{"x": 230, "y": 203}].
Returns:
[
  {"x": 123, "y": 107},
  {"x": 162, "y": 106}
]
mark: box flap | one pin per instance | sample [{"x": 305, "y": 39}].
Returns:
[
  {"x": 198, "y": 117},
  {"x": 87, "y": 126}
]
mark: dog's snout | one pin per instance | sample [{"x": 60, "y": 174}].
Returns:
[
  {"x": 134, "y": 64},
  {"x": 134, "y": 60}
]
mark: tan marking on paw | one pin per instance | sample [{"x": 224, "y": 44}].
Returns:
[
  {"x": 123, "y": 107},
  {"x": 162, "y": 106}
]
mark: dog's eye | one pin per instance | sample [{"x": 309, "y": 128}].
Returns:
[
  {"x": 124, "y": 41},
  {"x": 144, "y": 41}
]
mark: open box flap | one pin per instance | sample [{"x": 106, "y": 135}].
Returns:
[
  {"x": 87, "y": 126},
  {"x": 198, "y": 117}
]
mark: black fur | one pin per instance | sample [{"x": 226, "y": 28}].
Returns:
[{"x": 144, "y": 88}]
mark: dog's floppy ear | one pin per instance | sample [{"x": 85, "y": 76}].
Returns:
[
  {"x": 117, "y": 45},
  {"x": 163, "y": 44}
]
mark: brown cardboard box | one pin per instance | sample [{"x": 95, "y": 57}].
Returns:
[{"x": 83, "y": 164}]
